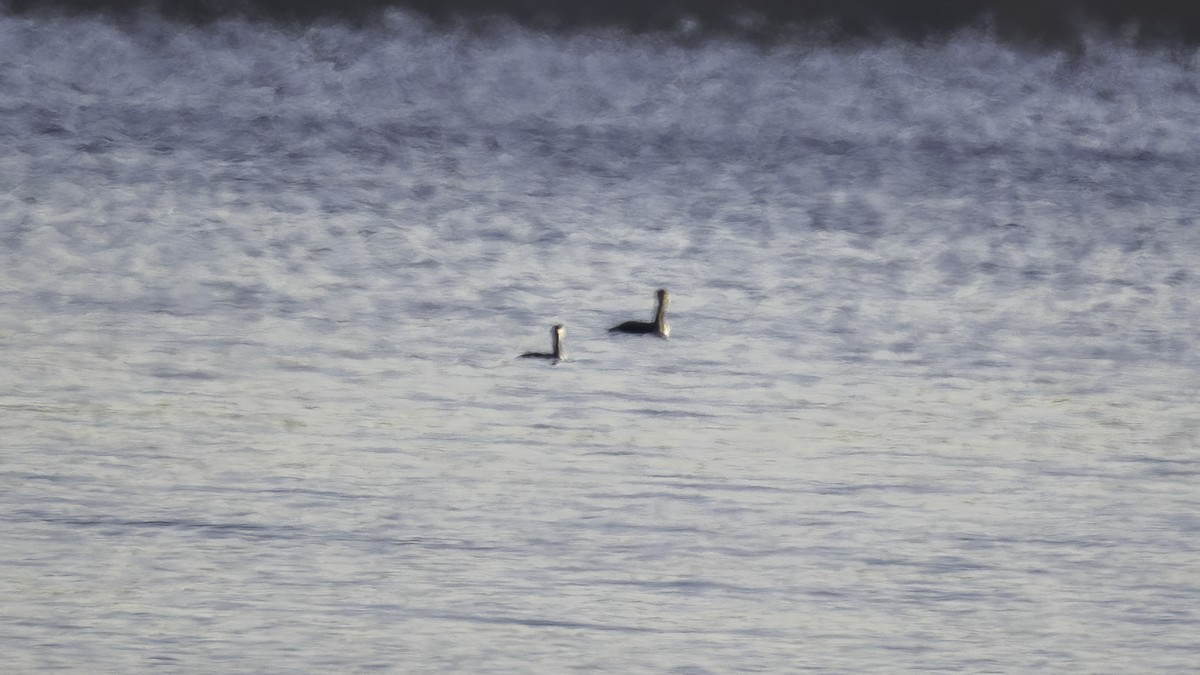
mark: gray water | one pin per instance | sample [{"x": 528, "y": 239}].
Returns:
[{"x": 928, "y": 403}]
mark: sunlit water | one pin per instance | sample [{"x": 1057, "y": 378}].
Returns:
[{"x": 929, "y": 400}]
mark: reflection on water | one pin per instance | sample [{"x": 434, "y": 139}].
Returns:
[{"x": 927, "y": 401}]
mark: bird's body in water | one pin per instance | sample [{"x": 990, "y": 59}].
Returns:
[
  {"x": 556, "y": 335},
  {"x": 657, "y": 327}
]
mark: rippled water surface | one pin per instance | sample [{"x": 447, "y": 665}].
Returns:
[{"x": 929, "y": 400}]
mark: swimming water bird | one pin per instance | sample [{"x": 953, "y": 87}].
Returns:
[
  {"x": 556, "y": 334},
  {"x": 658, "y": 326}
]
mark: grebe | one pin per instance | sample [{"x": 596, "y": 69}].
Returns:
[
  {"x": 659, "y": 326},
  {"x": 556, "y": 334}
]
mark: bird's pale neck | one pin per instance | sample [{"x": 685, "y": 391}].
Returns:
[
  {"x": 558, "y": 338},
  {"x": 660, "y": 315}
]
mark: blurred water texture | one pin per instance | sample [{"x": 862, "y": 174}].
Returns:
[{"x": 928, "y": 401}]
